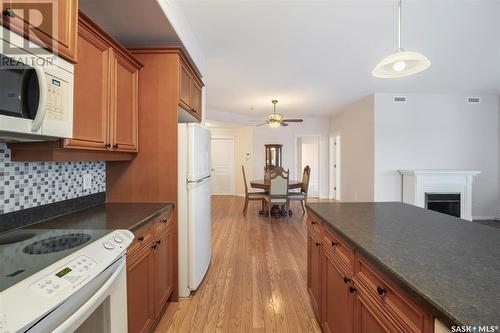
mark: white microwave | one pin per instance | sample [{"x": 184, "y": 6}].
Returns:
[{"x": 36, "y": 92}]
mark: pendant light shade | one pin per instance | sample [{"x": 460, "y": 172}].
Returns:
[{"x": 401, "y": 63}]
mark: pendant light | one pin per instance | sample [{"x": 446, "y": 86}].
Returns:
[{"x": 401, "y": 63}]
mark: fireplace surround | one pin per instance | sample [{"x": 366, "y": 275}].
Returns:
[{"x": 449, "y": 191}]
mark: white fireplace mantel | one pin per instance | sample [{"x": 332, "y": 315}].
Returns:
[{"x": 416, "y": 183}]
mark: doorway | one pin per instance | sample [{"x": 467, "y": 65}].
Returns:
[
  {"x": 307, "y": 153},
  {"x": 222, "y": 154},
  {"x": 335, "y": 168}
]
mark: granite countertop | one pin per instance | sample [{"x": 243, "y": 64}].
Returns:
[
  {"x": 449, "y": 264},
  {"x": 109, "y": 216}
]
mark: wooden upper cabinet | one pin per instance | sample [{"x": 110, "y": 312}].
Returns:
[
  {"x": 185, "y": 88},
  {"x": 196, "y": 97},
  {"x": 190, "y": 90},
  {"x": 51, "y": 24},
  {"x": 337, "y": 307},
  {"x": 105, "y": 113},
  {"x": 124, "y": 109},
  {"x": 91, "y": 93}
]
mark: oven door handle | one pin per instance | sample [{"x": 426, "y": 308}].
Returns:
[
  {"x": 42, "y": 100},
  {"x": 84, "y": 311}
]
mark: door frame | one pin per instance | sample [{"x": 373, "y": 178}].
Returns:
[
  {"x": 298, "y": 173},
  {"x": 335, "y": 171},
  {"x": 229, "y": 137}
]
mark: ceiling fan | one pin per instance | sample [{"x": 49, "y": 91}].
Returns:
[{"x": 276, "y": 120}]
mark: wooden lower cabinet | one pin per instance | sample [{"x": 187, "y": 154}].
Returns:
[
  {"x": 164, "y": 277},
  {"x": 140, "y": 287},
  {"x": 314, "y": 270},
  {"x": 369, "y": 317},
  {"x": 337, "y": 291},
  {"x": 150, "y": 275},
  {"x": 354, "y": 298}
]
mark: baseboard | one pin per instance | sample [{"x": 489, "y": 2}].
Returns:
[{"x": 479, "y": 218}]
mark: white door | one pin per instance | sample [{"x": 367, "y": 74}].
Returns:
[
  {"x": 222, "y": 165},
  {"x": 310, "y": 156}
]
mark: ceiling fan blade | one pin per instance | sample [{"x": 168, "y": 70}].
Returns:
[
  {"x": 293, "y": 120},
  {"x": 283, "y": 124},
  {"x": 261, "y": 124}
]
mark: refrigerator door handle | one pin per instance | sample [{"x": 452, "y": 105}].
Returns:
[{"x": 198, "y": 181}]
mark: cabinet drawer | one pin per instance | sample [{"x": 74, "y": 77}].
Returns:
[
  {"x": 162, "y": 223},
  {"x": 142, "y": 237},
  {"x": 408, "y": 314},
  {"x": 342, "y": 252},
  {"x": 315, "y": 228}
]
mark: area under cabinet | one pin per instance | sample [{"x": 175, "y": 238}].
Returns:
[
  {"x": 150, "y": 273},
  {"x": 349, "y": 295}
]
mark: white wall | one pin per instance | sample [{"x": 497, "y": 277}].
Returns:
[
  {"x": 287, "y": 137},
  {"x": 354, "y": 124},
  {"x": 437, "y": 132},
  {"x": 498, "y": 174},
  {"x": 308, "y": 154}
]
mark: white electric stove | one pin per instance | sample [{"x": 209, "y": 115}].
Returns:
[{"x": 63, "y": 281}]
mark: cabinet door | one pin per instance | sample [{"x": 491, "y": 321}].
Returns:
[
  {"x": 314, "y": 271},
  {"x": 337, "y": 297},
  {"x": 124, "y": 104},
  {"x": 91, "y": 93},
  {"x": 52, "y": 24},
  {"x": 140, "y": 291},
  {"x": 185, "y": 87},
  {"x": 196, "y": 99},
  {"x": 164, "y": 269},
  {"x": 369, "y": 317}
]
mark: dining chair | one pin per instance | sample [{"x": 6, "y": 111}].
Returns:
[
  {"x": 278, "y": 191},
  {"x": 302, "y": 195},
  {"x": 251, "y": 195}
]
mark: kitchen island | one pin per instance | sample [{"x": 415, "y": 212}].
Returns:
[{"x": 400, "y": 267}]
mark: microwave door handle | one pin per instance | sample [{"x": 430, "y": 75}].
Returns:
[
  {"x": 83, "y": 312},
  {"x": 42, "y": 100}
]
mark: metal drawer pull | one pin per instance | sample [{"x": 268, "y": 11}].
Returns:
[
  {"x": 381, "y": 291},
  {"x": 352, "y": 290},
  {"x": 334, "y": 243},
  {"x": 140, "y": 238},
  {"x": 346, "y": 279}
]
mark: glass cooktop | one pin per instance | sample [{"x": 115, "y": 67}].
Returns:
[{"x": 27, "y": 251}]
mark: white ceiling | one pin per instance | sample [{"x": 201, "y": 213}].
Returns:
[{"x": 316, "y": 56}]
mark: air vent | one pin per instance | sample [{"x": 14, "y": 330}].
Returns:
[
  {"x": 399, "y": 99},
  {"x": 473, "y": 100}
]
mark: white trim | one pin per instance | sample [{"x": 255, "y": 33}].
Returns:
[
  {"x": 480, "y": 218},
  {"x": 298, "y": 175}
]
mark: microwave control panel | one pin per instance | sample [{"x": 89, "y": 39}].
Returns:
[
  {"x": 66, "y": 276},
  {"x": 56, "y": 99}
]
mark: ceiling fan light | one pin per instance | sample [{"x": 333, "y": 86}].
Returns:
[
  {"x": 274, "y": 124},
  {"x": 401, "y": 63}
]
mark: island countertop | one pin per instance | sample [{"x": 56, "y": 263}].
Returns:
[{"x": 451, "y": 265}]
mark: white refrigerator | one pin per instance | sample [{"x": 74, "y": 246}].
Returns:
[{"x": 194, "y": 206}]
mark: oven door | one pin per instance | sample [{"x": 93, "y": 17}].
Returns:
[
  {"x": 23, "y": 94},
  {"x": 101, "y": 306}
]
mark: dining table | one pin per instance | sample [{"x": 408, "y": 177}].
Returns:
[{"x": 264, "y": 185}]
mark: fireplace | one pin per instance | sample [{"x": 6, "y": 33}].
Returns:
[{"x": 446, "y": 203}]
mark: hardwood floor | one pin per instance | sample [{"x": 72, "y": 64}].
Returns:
[{"x": 257, "y": 278}]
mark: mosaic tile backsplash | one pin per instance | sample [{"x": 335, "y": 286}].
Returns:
[{"x": 29, "y": 184}]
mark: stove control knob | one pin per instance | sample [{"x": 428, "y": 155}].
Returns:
[
  {"x": 108, "y": 245},
  {"x": 118, "y": 239}
]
